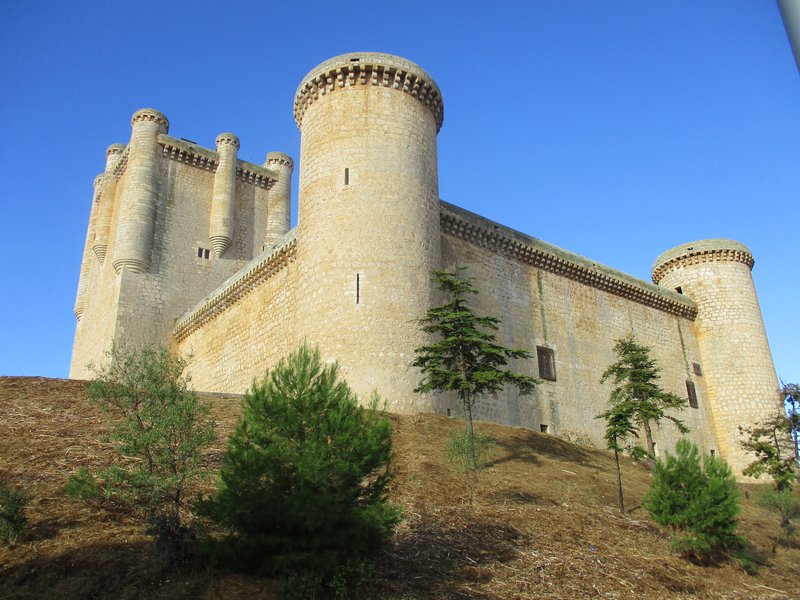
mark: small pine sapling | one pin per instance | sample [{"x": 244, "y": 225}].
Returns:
[
  {"x": 635, "y": 375},
  {"x": 699, "y": 504},
  {"x": 464, "y": 357},
  {"x": 160, "y": 430}
]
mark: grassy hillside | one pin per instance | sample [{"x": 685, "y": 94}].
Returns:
[{"x": 544, "y": 524}]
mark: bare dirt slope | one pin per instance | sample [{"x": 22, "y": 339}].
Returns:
[{"x": 544, "y": 523}]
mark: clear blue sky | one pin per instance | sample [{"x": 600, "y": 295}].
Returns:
[{"x": 615, "y": 129}]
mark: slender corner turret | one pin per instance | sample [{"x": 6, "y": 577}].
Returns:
[
  {"x": 134, "y": 236},
  {"x": 105, "y": 208},
  {"x": 223, "y": 199},
  {"x": 736, "y": 360},
  {"x": 86, "y": 263},
  {"x": 280, "y": 196}
]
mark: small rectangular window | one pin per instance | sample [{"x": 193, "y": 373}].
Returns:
[
  {"x": 347, "y": 176},
  {"x": 547, "y": 363},
  {"x": 543, "y": 428},
  {"x": 358, "y": 288},
  {"x": 697, "y": 369},
  {"x": 203, "y": 253},
  {"x": 206, "y": 253},
  {"x": 690, "y": 390}
]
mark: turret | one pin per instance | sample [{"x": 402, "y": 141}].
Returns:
[
  {"x": 134, "y": 236},
  {"x": 368, "y": 216},
  {"x": 736, "y": 360},
  {"x": 280, "y": 196},
  {"x": 86, "y": 263},
  {"x": 223, "y": 200},
  {"x": 105, "y": 208}
]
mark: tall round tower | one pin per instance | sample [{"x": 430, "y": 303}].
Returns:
[
  {"x": 369, "y": 232},
  {"x": 736, "y": 360}
]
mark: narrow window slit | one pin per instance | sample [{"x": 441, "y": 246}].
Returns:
[
  {"x": 358, "y": 288},
  {"x": 347, "y": 176}
]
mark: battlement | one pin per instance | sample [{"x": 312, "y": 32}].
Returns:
[
  {"x": 369, "y": 68},
  {"x": 530, "y": 250},
  {"x": 712, "y": 250}
]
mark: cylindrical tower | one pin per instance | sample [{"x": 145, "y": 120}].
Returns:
[
  {"x": 105, "y": 209},
  {"x": 279, "y": 207},
  {"x": 86, "y": 263},
  {"x": 736, "y": 360},
  {"x": 223, "y": 199},
  {"x": 369, "y": 232},
  {"x": 134, "y": 237}
]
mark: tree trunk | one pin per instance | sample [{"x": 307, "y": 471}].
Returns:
[
  {"x": 651, "y": 447},
  {"x": 471, "y": 457},
  {"x": 619, "y": 483}
]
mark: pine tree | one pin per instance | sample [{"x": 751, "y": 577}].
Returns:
[
  {"x": 465, "y": 359},
  {"x": 699, "y": 504},
  {"x": 160, "y": 431},
  {"x": 773, "y": 445},
  {"x": 635, "y": 377},
  {"x": 303, "y": 490}
]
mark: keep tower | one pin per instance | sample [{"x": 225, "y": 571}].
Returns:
[
  {"x": 736, "y": 360},
  {"x": 368, "y": 216}
]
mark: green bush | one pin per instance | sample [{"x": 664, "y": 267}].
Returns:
[
  {"x": 13, "y": 521},
  {"x": 303, "y": 489},
  {"x": 458, "y": 451},
  {"x": 786, "y": 504},
  {"x": 699, "y": 505}
]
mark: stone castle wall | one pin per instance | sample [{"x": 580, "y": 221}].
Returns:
[{"x": 551, "y": 298}]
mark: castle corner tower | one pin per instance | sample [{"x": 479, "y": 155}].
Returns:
[
  {"x": 368, "y": 216},
  {"x": 736, "y": 360}
]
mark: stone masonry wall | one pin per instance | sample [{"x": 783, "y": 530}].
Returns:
[
  {"x": 246, "y": 325},
  {"x": 580, "y": 323}
]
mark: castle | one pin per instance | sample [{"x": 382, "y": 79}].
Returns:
[{"x": 191, "y": 248}]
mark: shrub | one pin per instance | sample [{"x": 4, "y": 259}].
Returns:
[
  {"x": 13, "y": 521},
  {"x": 160, "y": 432},
  {"x": 303, "y": 489},
  {"x": 699, "y": 505}
]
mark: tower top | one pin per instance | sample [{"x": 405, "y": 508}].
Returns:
[
  {"x": 716, "y": 249},
  {"x": 368, "y": 68}
]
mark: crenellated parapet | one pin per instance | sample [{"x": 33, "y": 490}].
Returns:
[
  {"x": 483, "y": 232},
  {"x": 153, "y": 116},
  {"x": 369, "y": 68},
  {"x": 703, "y": 251},
  {"x": 208, "y": 160}
]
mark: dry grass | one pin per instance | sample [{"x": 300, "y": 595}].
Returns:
[{"x": 544, "y": 523}]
